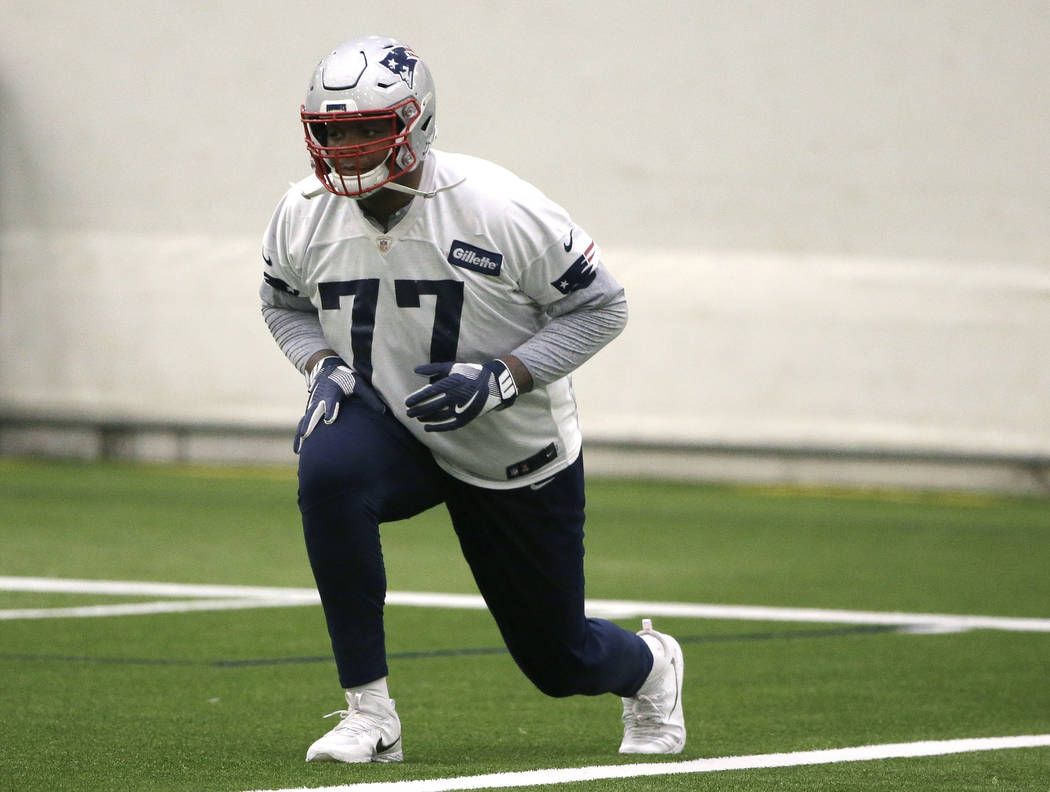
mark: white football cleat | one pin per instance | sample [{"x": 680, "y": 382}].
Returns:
[
  {"x": 653, "y": 722},
  {"x": 369, "y": 730}
]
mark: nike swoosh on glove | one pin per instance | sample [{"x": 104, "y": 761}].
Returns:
[
  {"x": 330, "y": 383},
  {"x": 463, "y": 392}
]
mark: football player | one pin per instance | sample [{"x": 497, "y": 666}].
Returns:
[{"x": 437, "y": 304}]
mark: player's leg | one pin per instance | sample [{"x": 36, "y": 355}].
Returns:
[
  {"x": 354, "y": 474},
  {"x": 525, "y": 548}
]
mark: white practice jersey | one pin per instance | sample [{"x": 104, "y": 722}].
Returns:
[{"x": 464, "y": 276}]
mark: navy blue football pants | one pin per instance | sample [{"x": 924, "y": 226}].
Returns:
[{"x": 524, "y": 548}]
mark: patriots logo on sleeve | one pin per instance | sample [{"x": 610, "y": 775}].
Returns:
[
  {"x": 279, "y": 285},
  {"x": 402, "y": 62},
  {"x": 581, "y": 274},
  {"x": 274, "y": 282}
]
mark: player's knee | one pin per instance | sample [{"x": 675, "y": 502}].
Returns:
[
  {"x": 321, "y": 476},
  {"x": 555, "y": 688},
  {"x": 325, "y": 476},
  {"x": 562, "y": 675}
]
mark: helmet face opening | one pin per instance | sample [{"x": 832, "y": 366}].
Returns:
[
  {"x": 368, "y": 115},
  {"x": 355, "y": 153}
]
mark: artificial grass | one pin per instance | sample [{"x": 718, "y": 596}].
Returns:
[{"x": 229, "y": 700}]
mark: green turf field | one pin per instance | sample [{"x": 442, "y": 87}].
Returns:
[{"x": 228, "y": 700}]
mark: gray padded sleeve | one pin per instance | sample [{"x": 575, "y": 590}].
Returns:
[
  {"x": 294, "y": 325},
  {"x": 581, "y": 324}
]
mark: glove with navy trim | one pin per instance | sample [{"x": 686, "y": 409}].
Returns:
[
  {"x": 330, "y": 383},
  {"x": 462, "y": 393}
]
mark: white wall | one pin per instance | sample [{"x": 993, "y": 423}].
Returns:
[{"x": 831, "y": 218}]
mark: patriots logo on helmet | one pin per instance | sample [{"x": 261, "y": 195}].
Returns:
[{"x": 402, "y": 62}]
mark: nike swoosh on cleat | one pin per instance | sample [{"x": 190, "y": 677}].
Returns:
[
  {"x": 674, "y": 664},
  {"x": 380, "y": 748}
]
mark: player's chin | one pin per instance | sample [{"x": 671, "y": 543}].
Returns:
[
  {"x": 355, "y": 168},
  {"x": 348, "y": 177}
]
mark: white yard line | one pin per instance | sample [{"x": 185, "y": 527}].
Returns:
[
  {"x": 147, "y": 589},
  {"x": 219, "y": 597},
  {"x": 143, "y": 608},
  {"x": 942, "y": 621},
  {"x": 566, "y": 775}
]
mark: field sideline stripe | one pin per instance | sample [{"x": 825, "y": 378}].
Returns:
[
  {"x": 566, "y": 775},
  {"x": 272, "y": 596}
]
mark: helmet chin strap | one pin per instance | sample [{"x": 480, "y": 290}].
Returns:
[
  {"x": 369, "y": 182},
  {"x": 389, "y": 186},
  {"x": 378, "y": 174},
  {"x": 401, "y": 188}
]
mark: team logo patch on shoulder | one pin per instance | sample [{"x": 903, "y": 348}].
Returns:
[
  {"x": 279, "y": 285},
  {"x": 580, "y": 275},
  {"x": 474, "y": 258}
]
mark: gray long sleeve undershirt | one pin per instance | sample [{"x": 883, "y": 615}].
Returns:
[
  {"x": 294, "y": 325},
  {"x": 581, "y": 324}
]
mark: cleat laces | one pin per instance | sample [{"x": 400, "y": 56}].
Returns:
[
  {"x": 645, "y": 718},
  {"x": 353, "y": 721}
]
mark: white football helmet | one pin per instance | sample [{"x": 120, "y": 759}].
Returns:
[{"x": 380, "y": 85}]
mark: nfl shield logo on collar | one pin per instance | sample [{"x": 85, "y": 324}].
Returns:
[{"x": 384, "y": 243}]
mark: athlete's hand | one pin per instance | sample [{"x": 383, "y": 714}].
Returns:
[
  {"x": 465, "y": 391},
  {"x": 331, "y": 382}
]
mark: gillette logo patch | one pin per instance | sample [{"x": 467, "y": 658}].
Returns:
[{"x": 474, "y": 258}]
